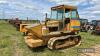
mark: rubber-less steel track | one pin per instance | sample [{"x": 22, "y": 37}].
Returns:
[{"x": 64, "y": 41}]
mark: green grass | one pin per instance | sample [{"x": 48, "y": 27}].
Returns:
[{"x": 12, "y": 44}]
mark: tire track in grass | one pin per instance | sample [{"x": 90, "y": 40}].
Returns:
[
  {"x": 17, "y": 50},
  {"x": 15, "y": 46},
  {"x": 9, "y": 30}
]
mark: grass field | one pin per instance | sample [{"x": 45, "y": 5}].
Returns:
[{"x": 12, "y": 44}]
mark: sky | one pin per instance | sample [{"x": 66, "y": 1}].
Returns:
[{"x": 36, "y": 9}]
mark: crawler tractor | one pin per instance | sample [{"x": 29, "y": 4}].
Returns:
[{"x": 58, "y": 31}]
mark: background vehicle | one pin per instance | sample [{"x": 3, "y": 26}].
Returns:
[
  {"x": 58, "y": 31},
  {"x": 15, "y": 22},
  {"x": 96, "y": 26},
  {"x": 20, "y": 24},
  {"x": 84, "y": 25}
]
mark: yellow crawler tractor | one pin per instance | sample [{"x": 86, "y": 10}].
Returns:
[{"x": 58, "y": 31}]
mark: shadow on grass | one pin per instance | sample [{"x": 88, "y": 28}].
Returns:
[
  {"x": 38, "y": 49},
  {"x": 96, "y": 34},
  {"x": 42, "y": 48}
]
